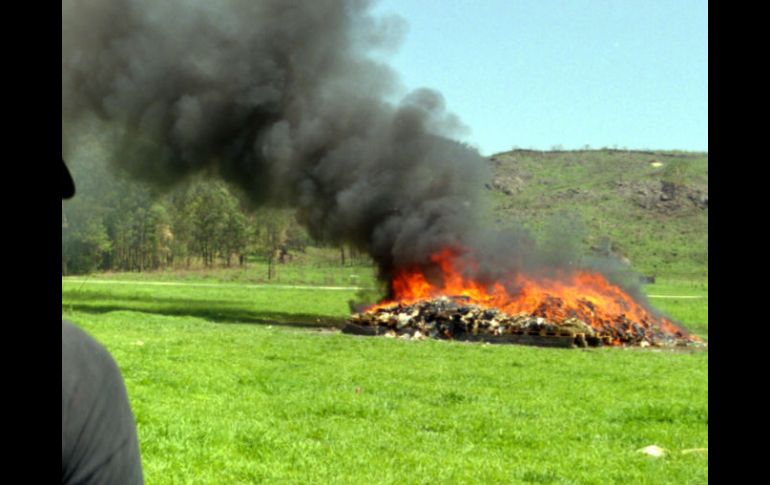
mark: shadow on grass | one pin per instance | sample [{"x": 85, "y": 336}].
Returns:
[{"x": 218, "y": 311}]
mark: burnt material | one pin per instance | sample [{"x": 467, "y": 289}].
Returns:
[
  {"x": 456, "y": 319},
  {"x": 562, "y": 341}
]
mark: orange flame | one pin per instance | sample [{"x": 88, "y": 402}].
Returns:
[{"x": 581, "y": 294}]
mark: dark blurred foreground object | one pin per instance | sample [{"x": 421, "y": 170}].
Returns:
[
  {"x": 98, "y": 431},
  {"x": 67, "y": 185}
]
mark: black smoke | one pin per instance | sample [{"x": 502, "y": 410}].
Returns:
[
  {"x": 285, "y": 99},
  {"x": 282, "y": 98}
]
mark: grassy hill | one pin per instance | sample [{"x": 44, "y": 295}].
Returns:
[{"x": 650, "y": 207}]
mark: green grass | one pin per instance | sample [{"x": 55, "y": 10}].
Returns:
[
  {"x": 316, "y": 266},
  {"x": 220, "y": 399},
  {"x": 693, "y": 312},
  {"x": 596, "y": 189},
  {"x": 678, "y": 286},
  {"x": 223, "y": 303}
]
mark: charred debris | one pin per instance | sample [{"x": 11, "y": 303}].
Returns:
[{"x": 454, "y": 318}]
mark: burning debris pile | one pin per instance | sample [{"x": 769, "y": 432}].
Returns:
[
  {"x": 579, "y": 310},
  {"x": 455, "y": 318}
]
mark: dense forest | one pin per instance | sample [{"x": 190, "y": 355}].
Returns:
[{"x": 116, "y": 224}]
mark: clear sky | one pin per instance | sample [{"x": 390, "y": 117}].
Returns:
[{"x": 542, "y": 73}]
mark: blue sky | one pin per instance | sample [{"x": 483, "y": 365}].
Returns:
[{"x": 537, "y": 74}]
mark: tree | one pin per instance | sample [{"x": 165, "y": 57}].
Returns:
[
  {"x": 271, "y": 233},
  {"x": 84, "y": 247},
  {"x": 234, "y": 235},
  {"x": 206, "y": 222},
  {"x": 156, "y": 237}
]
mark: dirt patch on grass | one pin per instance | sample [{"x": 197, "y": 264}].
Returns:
[{"x": 664, "y": 197}]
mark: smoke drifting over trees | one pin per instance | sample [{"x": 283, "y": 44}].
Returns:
[
  {"x": 283, "y": 99},
  {"x": 280, "y": 98}
]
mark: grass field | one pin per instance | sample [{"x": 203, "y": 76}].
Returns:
[
  {"x": 315, "y": 266},
  {"x": 222, "y": 395},
  {"x": 601, "y": 194}
]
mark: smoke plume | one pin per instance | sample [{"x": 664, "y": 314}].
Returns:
[{"x": 282, "y": 98}]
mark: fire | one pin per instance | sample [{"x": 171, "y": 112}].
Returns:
[{"x": 580, "y": 294}]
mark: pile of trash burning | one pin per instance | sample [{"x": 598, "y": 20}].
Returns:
[{"x": 458, "y": 319}]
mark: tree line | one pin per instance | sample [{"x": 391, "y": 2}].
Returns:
[{"x": 113, "y": 224}]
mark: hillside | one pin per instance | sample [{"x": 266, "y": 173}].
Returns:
[{"x": 649, "y": 207}]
